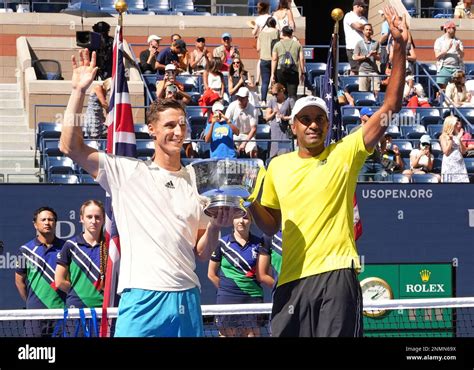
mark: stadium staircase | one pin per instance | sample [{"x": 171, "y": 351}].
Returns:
[{"x": 17, "y": 152}]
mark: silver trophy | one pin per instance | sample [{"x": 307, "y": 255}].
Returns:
[{"x": 228, "y": 182}]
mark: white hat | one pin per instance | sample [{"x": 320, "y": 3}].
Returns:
[
  {"x": 308, "y": 101},
  {"x": 170, "y": 67},
  {"x": 425, "y": 139},
  {"x": 153, "y": 37},
  {"x": 217, "y": 106},
  {"x": 243, "y": 92}
]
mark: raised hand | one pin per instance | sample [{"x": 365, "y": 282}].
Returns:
[
  {"x": 224, "y": 218},
  {"x": 398, "y": 27},
  {"x": 83, "y": 73}
]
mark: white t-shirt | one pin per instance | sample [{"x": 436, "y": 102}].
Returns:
[
  {"x": 423, "y": 161},
  {"x": 244, "y": 119},
  {"x": 261, "y": 20},
  {"x": 353, "y": 36},
  {"x": 158, "y": 214}
]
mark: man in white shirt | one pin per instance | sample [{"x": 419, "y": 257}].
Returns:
[
  {"x": 243, "y": 114},
  {"x": 159, "y": 216},
  {"x": 353, "y": 26}
]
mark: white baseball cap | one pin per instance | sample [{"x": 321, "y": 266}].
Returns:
[
  {"x": 153, "y": 37},
  {"x": 243, "y": 92},
  {"x": 308, "y": 101},
  {"x": 170, "y": 67},
  {"x": 217, "y": 106}
]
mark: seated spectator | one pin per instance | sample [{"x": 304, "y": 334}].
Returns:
[
  {"x": 422, "y": 159},
  {"x": 226, "y": 52},
  {"x": 170, "y": 88},
  {"x": 238, "y": 77},
  {"x": 148, "y": 57},
  {"x": 170, "y": 55},
  {"x": 213, "y": 78},
  {"x": 219, "y": 132},
  {"x": 243, "y": 115},
  {"x": 183, "y": 56},
  {"x": 199, "y": 58},
  {"x": 456, "y": 92},
  {"x": 391, "y": 157},
  {"x": 453, "y": 168},
  {"x": 367, "y": 53},
  {"x": 449, "y": 52},
  {"x": 278, "y": 115},
  {"x": 464, "y": 10},
  {"x": 232, "y": 270},
  {"x": 414, "y": 95}
]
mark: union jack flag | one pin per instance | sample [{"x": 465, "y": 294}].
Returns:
[
  {"x": 336, "y": 131},
  {"x": 120, "y": 141}
]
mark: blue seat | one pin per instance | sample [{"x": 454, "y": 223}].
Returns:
[
  {"x": 469, "y": 164},
  {"x": 424, "y": 178},
  {"x": 141, "y": 131},
  {"x": 349, "y": 83},
  {"x": 108, "y": 6},
  {"x": 96, "y": 144},
  {"x": 405, "y": 146},
  {"x": 393, "y": 131},
  {"x": 145, "y": 148},
  {"x": 190, "y": 83},
  {"x": 410, "y": 6},
  {"x": 159, "y": 6},
  {"x": 350, "y": 120},
  {"x": 380, "y": 98},
  {"x": 48, "y": 7},
  {"x": 59, "y": 165},
  {"x": 406, "y": 117},
  {"x": 436, "y": 149},
  {"x": 429, "y": 116},
  {"x": 344, "y": 68},
  {"x": 400, "y": 178},
  {"x": 136, "y": 7},
  {"x": 263, "y": 133},
  {"x": 363, "y": 98},
  {"x": 51, "y": 148},
  {"x": 435, "y": 131},
  {"x": 47, "y": 130},
  {"x": 87, "y": 179},
  {"x": 413, "y": 132},
  {"x": 437, "y": 163},
  {"x": 469, "y": 69},
  {"x": 193, "y": 111},
  {"x": 64, "y": 179},
  {"x": 350, "y": 127},
  {"x": 468, "y": 113},
  {"x": 186, "y": 7},
  {"x": 197, "y": 130},
  {"x": 442, "y": 9},
  {"x": 197, "y": 120}
]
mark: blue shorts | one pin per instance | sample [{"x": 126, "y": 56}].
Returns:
[{"x": 148, "y": 313}]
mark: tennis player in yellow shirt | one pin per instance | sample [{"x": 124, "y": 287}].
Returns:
[{"x": 309, "y": 193}]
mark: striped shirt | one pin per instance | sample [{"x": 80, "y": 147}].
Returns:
[
  {"x": 37, "y": 262},
  {"x": 83, "y": 261},
  {"x": 272, "y": 246}
]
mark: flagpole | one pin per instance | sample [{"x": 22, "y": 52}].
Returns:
[
  {"x": 121, "y": 6},
  {"x": 337, "y": 15}
]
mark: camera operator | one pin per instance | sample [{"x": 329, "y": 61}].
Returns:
[
  {"x": 170, "y": 88},
  {"x": 105, "y": 51}
]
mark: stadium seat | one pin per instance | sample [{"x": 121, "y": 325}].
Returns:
[
  {"x": 351, "y": 126},
  {"x": 410, "y": 6},
  {"x": 349, "y": 83},
  {"x": 393, "y": 131},
  {"x": 468, "y": 113},
  {"x": 413, "y": 132},
  {"x": 145, "y": 148},
  {"x": 87, "y": 179},
  {"x": 429, "y": 116},
  {"x": 435, "y": 131},
  {"x": 400, "y": 178},
  {"x": 263, "y": 133},
  {"x": 47, "y": 130},
  {"x": 197, "y": 120},
  {"x": 159, "y": 6},
  {"x": 442, "y": 9},
  {"x": 436, "y": 149},
  {"x": 47, "y": 7},
  {"x": 469, "y": 165},
  {"x": 406, "y": 163},
  {"x": 141, "y": 132},
  {"x": 96, "y": 144},
  {"x": 437, "y": 165},
  {"x": 190, "y": 83},
  {"x": 344, "y": 68},
  {"x": 108, "y": 6},
  {"x": 186, "y": 7},
  {"x": 193, "y": 111},
  {"x": 350, "y": 121},
  {"x": 64, "y": 179},
  {"x": 405, "y": 117},
  {"x": 363, "y": 98},
  {"x": 424, "y": 178},
  {"x": 380, "y": 98},
  {"x": 59, "y": 165},
  {"x": 51, "y": 148},
  {"x": 405, "y": 146},
  {"x": 136, "y": 7},
  {"x": 469, "y": 69}
]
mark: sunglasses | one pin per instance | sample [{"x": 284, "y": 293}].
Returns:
[
  {"x": 226, "y": 38},
  {"x": 200, "y": 40},
  {"x": 236, "y": 62}
]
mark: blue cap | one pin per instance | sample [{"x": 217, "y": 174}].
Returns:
[
  {"x": 366, "y": 111},
  {"x": 226, "y": 34}
]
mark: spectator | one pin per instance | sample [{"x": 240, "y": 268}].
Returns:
[
  {"x": 243, "y": 115},
  {"x": 391, "y": 157},
  {"x": 266, "y": 39},
  {"x": 469, "y": 144},
  {"x": 277, "y": 115},
  {"x": 34, "y": 275},
  {"x": 384, "y": 35},
  {"x": 288, "y": 62},
  {"x": 269, "y": 260},
  {"x": 422, "y": 159},
  {"x": 456, "y": 93},
  {"x": 80, "y": 269},
  {"x": 219, "y": 132},
  {"x": 414, "y": 95},
  {"x": 232, "y": 271},
  {"x": 284, "y": 16},
  {"x": 354, "y": 22},
  {"x": 464, "y": 10},
  {"x": 199, "y": 58},
  {"x": 213, "y": 78},
  {"x": 148, "y": 57},
  {"x": 449, "y": 52},
  {"x": 411, "y": 54},
  {"x": 169, "y": 88},
  {"x": 183, "y": 56},
  {"x": 170, "y": 55},
  {"x": 263, "y": 11},
  {"x": 226, "y": 52},
  {"x": 104, "y": 53},
  {"x": 367, "y": 53},
  {"x": 238, "y": 77},
  {"x": 453, "y": 168},
  {"x": 94, "y": 120}
]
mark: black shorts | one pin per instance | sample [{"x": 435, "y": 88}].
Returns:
[{"x": 323, "y": 305}]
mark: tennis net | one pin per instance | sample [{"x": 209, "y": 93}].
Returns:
[{"x": 441, "y": 317}]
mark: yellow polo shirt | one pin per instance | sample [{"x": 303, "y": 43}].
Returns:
[{"x": 315, "y": 197}]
